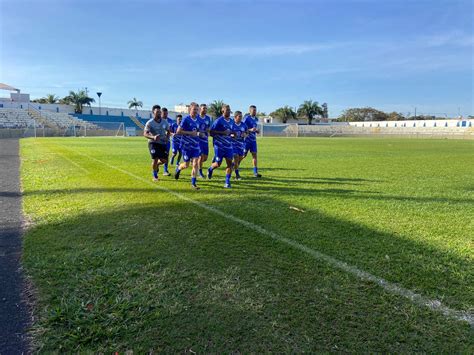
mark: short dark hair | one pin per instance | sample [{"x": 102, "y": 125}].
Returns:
[
  {"x": 155, "y": 107},
  {"x": 203, "y": 105},
  {"x": 164, "y": 109},
  {"x": 237, "y": 113},
  {"x": 253, "y": 106},
  {"x": 179, "y": 116}
]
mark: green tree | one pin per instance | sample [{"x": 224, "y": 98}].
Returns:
[
  {"x": 284, "y": 114},
  {"x": 51, "y": 99},
  {"x": 78, "y": 99},
  {"x": 134, "y": 103},
  {"x": 362, "y": 114},
  {"x": 309, "y": 109},
  {"x": 395, "y": 116},
  {"x": 215, "y": 108}
]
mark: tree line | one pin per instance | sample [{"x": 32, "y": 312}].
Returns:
[{"x": 309, "y": 110}]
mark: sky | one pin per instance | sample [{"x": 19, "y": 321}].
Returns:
[{"x": 393, "y": 55}]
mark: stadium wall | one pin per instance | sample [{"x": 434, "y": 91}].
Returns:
[
  {"x": 406, "y": 129},
  {"x": 93, "y": 110}
]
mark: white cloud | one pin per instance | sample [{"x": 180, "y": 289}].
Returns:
[{"x": 265, "y": 50}]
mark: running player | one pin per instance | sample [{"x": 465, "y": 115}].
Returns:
[
  {"x": 164, "y": 116},
  {"x": 157, "y": 132},
  {"x": 189, "y": 131},
  {"x": 176, "y": 141},
  {"x": 239, "y": 131},
  {"x": 251, "y": 121},
  {"x": 221, "y": 130},
  {"x": 204, "y": 125}
]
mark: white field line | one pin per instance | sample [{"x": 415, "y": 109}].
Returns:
[
  {"x": 390, "y": 287},
  {"x": 72, "y": 162}
]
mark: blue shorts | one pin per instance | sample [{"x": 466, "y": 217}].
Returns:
[
  {"x": 168, "y": 145},
  {"x": 251, "y": 146},
  {"x": 204, "y": 147},
  {"x": 189, "y": 154},
  {"x": 175, "y": 146},
  {"x": 221, "y": 154},
  {"x": 238, "y": 150}
]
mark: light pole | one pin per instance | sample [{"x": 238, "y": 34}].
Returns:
[{"x": 99, "y": 94}]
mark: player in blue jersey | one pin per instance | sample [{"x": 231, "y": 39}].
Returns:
[
  {"x": 189, "y": 131},
  {"x": 164, "y": 116},
  {"x": 157, "y": 132},
  {"x": 239, "y": 133},
  {"x": 176, "y": 140},
  {"x": 204, "y": 126},
  {"x": 251, "y": 121},
  {"x": 221, "y": 131}
]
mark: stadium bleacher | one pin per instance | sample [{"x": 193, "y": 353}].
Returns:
[
  {"x": 104, "y": 120},
  {"x": 15, "y": 118}
]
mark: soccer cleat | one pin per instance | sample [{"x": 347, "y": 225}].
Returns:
[
  {"x": 209, "y": 173},
  {"x": 155, "y": 179},
  {"x": 195, "y": 187},
  {"x": 227, "y": 186},
  {"x": 166, "y": 173},
  {"x": 257, "y": 175},
  {"x": 238, "y": 177},
  {"x": 176, "y": 174},
  {"x": 201, "y": 175}
]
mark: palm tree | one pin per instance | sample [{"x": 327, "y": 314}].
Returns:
[
  {"x": 134, "y": 103},
  {"x": 79, "y": 99},
  {"x": 309, "y": 109},
  {"x": 51, "y": 99},
  {"x": 215, "y": 108},
  {"x": 284, "y": 114}
]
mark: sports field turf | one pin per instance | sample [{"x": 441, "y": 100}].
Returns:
[{"x": 120, "y": 263}]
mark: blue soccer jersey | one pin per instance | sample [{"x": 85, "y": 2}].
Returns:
[
  {"x": 204, "y": 125},
  {"x": 222, "y": 142},
  {"x": 238, "y": 144},
  {"x": 190, "y": 144},
  {"x": 176, "y": 140},
  {"x": 251, "y": 140},
  {"x": 251, "y": 122}
]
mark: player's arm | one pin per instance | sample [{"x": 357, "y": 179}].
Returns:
[
  {"x": 182, "y": 132},
  {"x": 147, "y": 134},
  {"x": 217, "y": 130}
]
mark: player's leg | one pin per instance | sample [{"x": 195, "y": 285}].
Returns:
[
  {"x": 183, "y": 165},
  {"x": 180, "y": 154},
  {"x": 228, "y": 171},
  {"x": 217, "y": 162},
  {"x": 165, "y": 165},
  {"x": 202, "y": 159},
  {"x": 194, "y": 171},
  {"x": 237, "y": 159},
  {"x": 253, "y": 150},
  {"x": 155, "y": 166},
  {"x": 204, "y": 154}
]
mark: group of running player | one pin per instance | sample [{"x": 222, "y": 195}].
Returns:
[{"x": 188, "y": 138}]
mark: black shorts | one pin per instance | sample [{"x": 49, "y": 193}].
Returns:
[{"x": 158, "y": 151}]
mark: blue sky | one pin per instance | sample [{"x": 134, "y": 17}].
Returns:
[{"x": 392, "y": 54}]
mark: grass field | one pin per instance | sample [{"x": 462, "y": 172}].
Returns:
[{"x": 122, "y": 264}]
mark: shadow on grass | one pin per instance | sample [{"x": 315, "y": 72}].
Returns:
[{"x": 174, "y": 277}]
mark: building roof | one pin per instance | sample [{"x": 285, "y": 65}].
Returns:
[{"x": 8, "y": 87}]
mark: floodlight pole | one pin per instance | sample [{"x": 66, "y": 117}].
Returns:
[{"x": 100, "y": 111}]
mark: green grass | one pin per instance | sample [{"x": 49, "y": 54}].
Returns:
[{"x": 122, "y": 265}]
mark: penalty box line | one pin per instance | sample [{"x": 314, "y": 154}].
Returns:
[{"x": 392, "y": 288}]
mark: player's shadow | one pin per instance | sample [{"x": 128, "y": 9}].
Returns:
[{"x": 162, "y": 268}]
